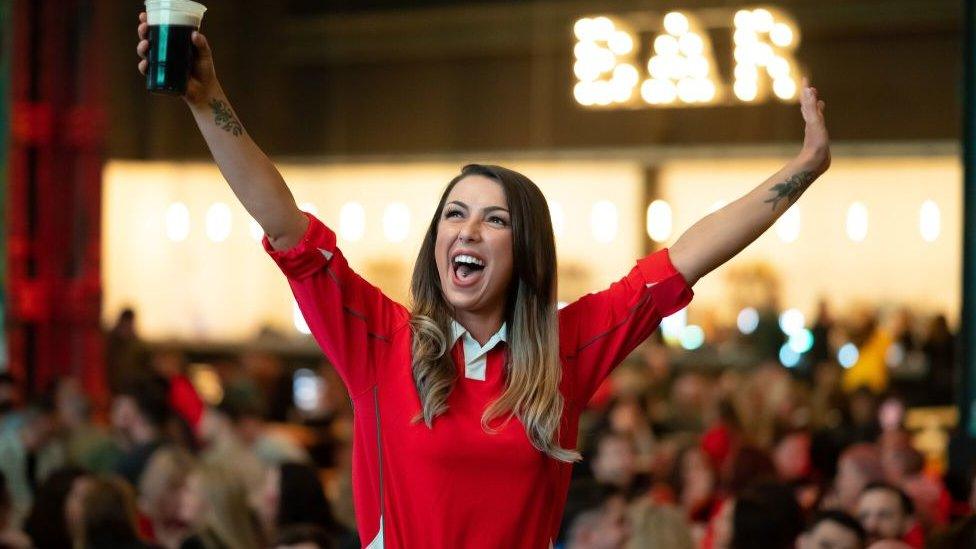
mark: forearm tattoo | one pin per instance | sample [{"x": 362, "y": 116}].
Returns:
[
  {"x": 224, "y": 118},
  {"x": 791, "y": 189}
]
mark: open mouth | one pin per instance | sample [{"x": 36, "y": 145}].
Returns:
[{"x": 467, "y": 269}]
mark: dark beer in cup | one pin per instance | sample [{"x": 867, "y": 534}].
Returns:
[{"x": 171, "y": 52}]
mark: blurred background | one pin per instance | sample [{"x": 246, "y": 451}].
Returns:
[{"x": 148, "y": 331}]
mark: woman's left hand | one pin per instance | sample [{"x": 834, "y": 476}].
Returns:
[{"x": 816, "y": 143}]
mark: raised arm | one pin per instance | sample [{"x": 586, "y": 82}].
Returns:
[
  {"x": 251, "y": 174},
  {"x": 721, "y": 235}
]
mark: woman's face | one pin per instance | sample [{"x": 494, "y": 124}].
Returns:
[{"x": 474, "y": 246}]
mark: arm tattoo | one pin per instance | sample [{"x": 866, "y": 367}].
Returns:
[
  {"x": 224, "y": 118},
  {"x": 791, "y": 189}
]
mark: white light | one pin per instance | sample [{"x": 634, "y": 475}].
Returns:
[
  {"x": 762, "y": 20},
  {"x": 687, "y": 90},
  {"x": 622, "y": 91},
  {"x": 788, "y": 225},
  {"x": 745, "y": 90},
  {"x": 603, "y": 28},
  {"x": 742, "y": 37},
  {"x": 603, "y": 221},
  {"x": 657, "y": 91},
  {"x": 602, "y": 92},
  {"x": 299, "y": 319},
  {"x": 561, "y": 304},
  {"x": 666, "y": 45},
  {"x": 784, "y": 88},
  {"x": 857, "y": 222},
  {"x": 585, "y": 49},
  {"x": 692, "y": 337},
  {"x": 748, "y": 320},
  {"x": 605, "y": 60},
  {"x": 698, "y": 67},
  {"x": 257, "y": 233},
  {"x": 930, "y": 221},
  {"x": 584, "y": 93},
  {"x": 781, "y": 35},
  {"x": 847, "y": 355},
  {"x": 788, "y": 357},
  {"x": 621, "y": 43},
  {"x": 660, "y": 67},
  {"x": 218, "y": 222},
  {"x": 706, "y": 90},
  {"x": 791, "y": 321},
  {"x": 583, "y": 29},
  {"x": 306, "y": 388},
  {"x": 309, "y": 207},
  {"x": 746, "y": 72},
  {"x": 691, "y": 44},
  {"x": 659, "y": 221},
  {"x": 177, "y": 222},
  {"x": 586, "y": 70},
  {"x": 558, "y": 218},
  {"x": 778, "y": 68},
  {"x": 352, "y": 221},
  {"x": 396, "y": 222},
  {"x": 743, "y": 19},
  {"x": 627, "y": 74},
  {"x": 676, "y": 23},
  {"x": 801, "y": 341},
  {"x": 673, "y": 326}
]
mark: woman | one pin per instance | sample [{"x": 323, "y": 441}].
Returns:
[
  {"x": 467, "y": 405},
  {"x": 216, "y": 504}
]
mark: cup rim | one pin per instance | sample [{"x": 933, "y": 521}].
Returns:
[{"x": 186, "y": 6}]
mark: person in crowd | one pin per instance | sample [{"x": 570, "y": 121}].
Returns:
[
  {"x": 11, "y": 537},
  {"x": 655, "y": 525},
  {"x": 87, "y": 444},
  {"x": 858, "y": 466},
  {"x": 601, "y": 524},
  {"x": 46, "y": 524},
  {"x": 939, "y": 350},
  {"x": 126, "y": 355},
  {"x": 162, "y": 488},
  {"x": 833, "y": 530},
  {"x": 485, "y": 285},
  {"x": 614, "y": 462},
  {"x": 293, "y": 495},
  {"x": 886, "y": 513},
  {"x": 102, "y": 514},
  {"x": 215, "y": 504},
  {"x": 140, "y": 412},
  {"x": 9, "y": 402},
  {"x": 28, "y": 453},
  {"x": 764, "y": 516}
]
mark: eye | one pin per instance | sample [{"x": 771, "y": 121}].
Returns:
[
  {"x": 452, "y": 213},
  {"x": 497, "y": 221}
]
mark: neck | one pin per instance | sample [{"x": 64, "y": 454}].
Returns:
[{"x": 481, "y": 326}]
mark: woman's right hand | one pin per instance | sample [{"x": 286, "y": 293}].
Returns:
[{"x": 202, "y": 84}]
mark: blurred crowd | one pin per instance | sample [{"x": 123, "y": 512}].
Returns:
[{"x": 251, "y": 451}]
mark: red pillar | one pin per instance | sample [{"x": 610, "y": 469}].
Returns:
[{"x": 54, "y": 195}]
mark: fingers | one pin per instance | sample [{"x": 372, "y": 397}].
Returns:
[
  {"x": 143, "y": 18},
  {"x": 200, "y": 41},
  {"x": 142, "y": 48},
  {"x": 143, "y": 66},
  {"x": 143, "y": 31}
]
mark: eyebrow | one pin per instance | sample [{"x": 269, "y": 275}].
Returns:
[{"x": 487, "y": 209}]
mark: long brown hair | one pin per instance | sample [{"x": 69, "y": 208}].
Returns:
[{"x": 533, "y": 368}]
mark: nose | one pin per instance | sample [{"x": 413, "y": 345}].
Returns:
[{"x": 470, "y": 231}]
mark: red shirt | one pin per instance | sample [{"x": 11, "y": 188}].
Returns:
[{"x": 455, "y": 485}]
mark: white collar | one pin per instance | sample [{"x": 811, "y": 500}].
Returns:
[{"x": 475, "y": 354}]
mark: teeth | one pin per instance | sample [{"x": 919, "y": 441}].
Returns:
[{"x": 468, "y": 259}]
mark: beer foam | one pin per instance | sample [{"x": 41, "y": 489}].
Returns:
[{"x": 170, "y": 17}]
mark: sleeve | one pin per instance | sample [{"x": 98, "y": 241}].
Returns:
[
  {"x": 599, "y": 330},
  {"x": 351, "y": 320}
]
